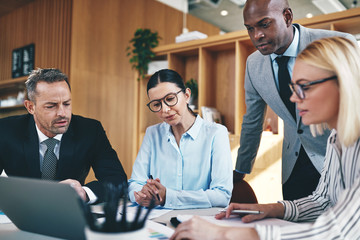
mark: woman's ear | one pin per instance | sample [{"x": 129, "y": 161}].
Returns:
[{"x": 187, "y": 94}]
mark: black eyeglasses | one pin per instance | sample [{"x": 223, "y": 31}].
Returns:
[
  {"x": 170, "y": 100},
  {"x": 300, "y": 89}
]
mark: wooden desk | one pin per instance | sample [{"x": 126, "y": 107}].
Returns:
[{"x": 9, "y": 231}]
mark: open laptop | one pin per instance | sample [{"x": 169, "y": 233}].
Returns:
[{"x": 42, "y": 207}]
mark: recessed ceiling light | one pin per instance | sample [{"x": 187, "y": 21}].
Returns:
[
  {"x": 224, "y": 13},
  {"x": 309, "y": 15}
]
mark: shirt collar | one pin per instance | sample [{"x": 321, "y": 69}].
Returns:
[
  {"x": 194, "y": 130},
  {"x": 43, "y": 137},
  {"x": 293, "y": 49}
]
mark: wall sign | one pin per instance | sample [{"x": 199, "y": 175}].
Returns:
[{"x": 23, "y": 60}]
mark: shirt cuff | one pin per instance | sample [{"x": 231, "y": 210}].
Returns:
[
  {"x": 170, "y": 201},
  {"x": 92, "y": 197},
  {"x": 291, "y": 212}
]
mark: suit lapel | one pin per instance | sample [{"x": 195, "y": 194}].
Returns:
[{"x": 31, "y": 149}]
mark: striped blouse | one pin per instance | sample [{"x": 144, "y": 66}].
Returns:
[{"x": 334, "y": 207}]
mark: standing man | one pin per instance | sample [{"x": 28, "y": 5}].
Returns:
[
  {"x": 268, "y": 72},
  {"x": 50, "y": 143}
]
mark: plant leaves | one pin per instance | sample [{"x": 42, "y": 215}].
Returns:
[{"x": 141, "y": 51}]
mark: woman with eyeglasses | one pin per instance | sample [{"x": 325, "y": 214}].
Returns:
[
  {"x": 326, "y": 90},
  {"x": 183, "y": 162}
]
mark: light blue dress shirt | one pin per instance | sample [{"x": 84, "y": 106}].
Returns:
[
  {"x": 196, "y": 174},
  {"x": 292, "y": 52}
]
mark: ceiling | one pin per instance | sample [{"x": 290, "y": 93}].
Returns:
[
  {"x": 211, "y": 12},
  {"x": 234, "y": 20}
]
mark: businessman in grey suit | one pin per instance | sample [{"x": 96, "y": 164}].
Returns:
[{"x": 270, "y": 27}]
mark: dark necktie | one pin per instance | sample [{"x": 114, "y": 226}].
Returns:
[
  {"x": 284, "y": 80},
  {"x": 50, "y": 160}
]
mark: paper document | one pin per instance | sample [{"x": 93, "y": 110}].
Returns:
[
  {"x": 158, "y": 231},
  {"x": 235, "y": 221}
]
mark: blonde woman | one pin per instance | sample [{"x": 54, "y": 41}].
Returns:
[{"x": 326, "y": 87}]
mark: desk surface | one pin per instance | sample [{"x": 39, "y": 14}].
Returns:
[{"x": 8, "y": 231}]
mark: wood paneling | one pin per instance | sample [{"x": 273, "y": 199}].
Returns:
[
  {"x": 103, "y": 84},
  {"x": 7, "y": 6},
  {"x": 43, "y": 22}
]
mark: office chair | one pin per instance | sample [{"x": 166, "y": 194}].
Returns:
[{"x": 242, "y": 191}]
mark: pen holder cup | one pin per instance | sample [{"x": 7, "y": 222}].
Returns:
[{"x": 135, "y": 235}]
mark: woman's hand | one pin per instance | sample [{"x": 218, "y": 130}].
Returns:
[
  {"x": 153, "y": 189},
  {"x": 198, "y": 228},
  {"x": 273, "y": 210}
]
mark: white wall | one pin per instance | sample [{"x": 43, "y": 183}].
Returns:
[{"x": 181, "y": 5}]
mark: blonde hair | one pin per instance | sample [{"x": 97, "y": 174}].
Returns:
[{"x": 342, "y": 57}]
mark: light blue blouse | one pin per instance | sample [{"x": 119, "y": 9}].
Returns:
[{"x": 196, "y": 174}]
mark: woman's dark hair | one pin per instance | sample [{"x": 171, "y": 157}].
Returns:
[{"x": 167, "y": 75}]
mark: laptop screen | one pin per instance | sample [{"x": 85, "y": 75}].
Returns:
[{"x": 42, "y": 207}]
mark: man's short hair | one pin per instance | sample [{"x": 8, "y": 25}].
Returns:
[{"x": 48, "y": 75}]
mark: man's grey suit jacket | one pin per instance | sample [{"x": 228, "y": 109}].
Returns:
[{"x": 260, "y": 91}]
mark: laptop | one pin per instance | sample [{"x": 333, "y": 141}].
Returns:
[{"x": 43, "y": 207}]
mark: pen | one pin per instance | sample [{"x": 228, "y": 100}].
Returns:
[
  {"x": 157, "y": 195},
  {"x": 243, "y": 211}
]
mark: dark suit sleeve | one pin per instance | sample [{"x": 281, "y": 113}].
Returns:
[
  {"x": 1, "y": 149},
  {"x": 1, "y": 165},
  {"x": 106, "y": 164}
]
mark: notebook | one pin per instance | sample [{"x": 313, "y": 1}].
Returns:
[{"x": 43, "y": 207}]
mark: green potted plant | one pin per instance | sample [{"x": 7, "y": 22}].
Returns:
[
  {"x": 141, "y": 50},
  {"x": 193, "y": 85}
]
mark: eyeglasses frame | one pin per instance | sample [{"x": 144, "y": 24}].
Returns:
[
  {"x": 163, "y": 100},
  {"x": 302, "y": 86}
]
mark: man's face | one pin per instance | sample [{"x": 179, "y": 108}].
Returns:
[
  {"x": 269, "y": 26},
  {"x": 51, "y": 108}
]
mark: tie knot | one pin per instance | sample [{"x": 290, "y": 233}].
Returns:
[
  {"x": 50, "y": 143},
  {"x": 282, "y": 60}
]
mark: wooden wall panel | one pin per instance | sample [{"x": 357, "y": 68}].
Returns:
[
  {"x": 47, "y": 23},
  {"x": 103, "y": 84},
  {"x": 224, "y": 75}
]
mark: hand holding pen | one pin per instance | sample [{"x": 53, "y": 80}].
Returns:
[
  {"x": 157, "y": 194},
  {"x": 248, "y": 212},
  {"x": 153, "y": 189}
]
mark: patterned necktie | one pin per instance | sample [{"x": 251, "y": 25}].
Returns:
[
  {"x": 284, "y": 80},
  {"x": 50, "y": 160}
]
